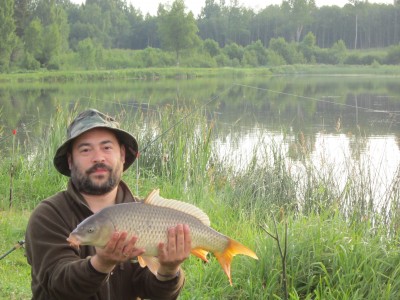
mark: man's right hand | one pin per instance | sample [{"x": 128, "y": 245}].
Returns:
[{"x": 117, "y": 250}]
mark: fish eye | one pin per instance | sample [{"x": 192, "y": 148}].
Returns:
[{"x": 90, "y": 230}]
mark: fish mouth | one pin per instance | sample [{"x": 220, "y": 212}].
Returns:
[{"x": 73, "y": 241}]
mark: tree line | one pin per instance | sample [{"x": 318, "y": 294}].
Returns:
[{"x": 40, "y": 33}]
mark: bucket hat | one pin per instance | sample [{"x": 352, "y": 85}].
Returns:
[{"x": 86, "y": 121}]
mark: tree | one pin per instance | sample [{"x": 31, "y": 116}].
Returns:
[
  {"x": 7, "y": 33},
  {"x": 177, "y": 30},
  {"x": 22, "y": 15},
  {"x": 33, "y": 38},
  {"x": 212, "y": 23},
  {"x": 259, "y": 52},
  {"x": 50, "y": 27},
  {"x": 307, "y": 47},
  {"x": 300, "y": 12},
  {"x": 211, "y": 47},
  {"x": 87, "y": 53}
]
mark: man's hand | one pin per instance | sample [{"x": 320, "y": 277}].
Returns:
[
  {"x": 173, "y": 254},
  {"x": 116, "y": 250}
]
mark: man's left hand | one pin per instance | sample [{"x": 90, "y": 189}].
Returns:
[{"x": 174, "y": 253}]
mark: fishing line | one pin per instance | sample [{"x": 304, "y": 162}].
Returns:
[
  {"x": 118, "y": 103},
  {"x": 318, "y": 100}
]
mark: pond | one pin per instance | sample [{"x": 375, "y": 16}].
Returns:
[{"x": 336, "y": 120}]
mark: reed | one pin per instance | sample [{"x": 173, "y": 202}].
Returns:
[{"x": 339, "y": 246}]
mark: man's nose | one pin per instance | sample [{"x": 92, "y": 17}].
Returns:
[{"x": 98, "y": 156}]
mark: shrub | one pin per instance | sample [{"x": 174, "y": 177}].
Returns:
[
  {"x": 393, "y": 55},
  {"x": 29, "y": 62}
]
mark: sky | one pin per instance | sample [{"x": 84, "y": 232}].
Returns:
[{"x": 150, "y": 6}]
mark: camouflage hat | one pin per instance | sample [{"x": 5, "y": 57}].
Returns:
[{"x": 86, "y": 121}]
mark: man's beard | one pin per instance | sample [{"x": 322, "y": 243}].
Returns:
[{"x": 85, "y": 185}]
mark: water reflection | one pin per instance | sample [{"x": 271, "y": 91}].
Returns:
[{"x": 338, "y": 157}]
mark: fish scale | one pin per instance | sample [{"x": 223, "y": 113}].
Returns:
[{"x": 151, "y": 223}]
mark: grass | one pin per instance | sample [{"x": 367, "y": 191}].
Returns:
[
  {"x": 44, "y": 76},
  {"x": 335, "y": 249},
  {"x": 14, "y": 270}
]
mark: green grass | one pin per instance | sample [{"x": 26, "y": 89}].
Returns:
[
  {"x": 338, "y": 247},
  {"x": 14, "y": 270},
  {"x": 44, "y": 76}
]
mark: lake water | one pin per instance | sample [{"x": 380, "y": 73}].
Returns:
[{"x": 339, "y": 120}]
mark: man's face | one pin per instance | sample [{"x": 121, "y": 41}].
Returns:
[{"x": 96, "y": 162}]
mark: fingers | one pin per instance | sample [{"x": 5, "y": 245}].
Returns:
[
  {"x": 130, "y": 251},
  {"x": 187, "y": 239},
  {"x": 177, "y": 248},
  {"x": 119, "y": 249}
]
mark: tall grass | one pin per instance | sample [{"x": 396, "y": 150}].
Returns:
[{"x": 339, "y": 246}]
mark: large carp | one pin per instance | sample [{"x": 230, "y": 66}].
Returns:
[{"x": 149, "y": 221}]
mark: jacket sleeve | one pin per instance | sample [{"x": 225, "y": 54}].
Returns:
[{"x": 58, "y": 272}]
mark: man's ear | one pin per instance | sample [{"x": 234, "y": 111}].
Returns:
[
  {"x": 69, "y": 157},
  {"x": 122, "y": 153}
]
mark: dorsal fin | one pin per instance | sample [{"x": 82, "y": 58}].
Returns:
[{"x": 154, "y": 198}]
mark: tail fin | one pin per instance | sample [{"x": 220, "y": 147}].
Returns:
[{"x": 225, "y": 258}]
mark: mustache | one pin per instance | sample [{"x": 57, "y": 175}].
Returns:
[{"x": 98, "y": 166}]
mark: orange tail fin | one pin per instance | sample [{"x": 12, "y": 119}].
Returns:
[{"x": 225, "y": 258}]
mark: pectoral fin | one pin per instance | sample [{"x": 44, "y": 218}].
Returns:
[
  {"x": 200, "y": 253},
  {"x": 149, "y": 261}
]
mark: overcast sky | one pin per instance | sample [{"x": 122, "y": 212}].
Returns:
[{"x": 150, "y": 6}]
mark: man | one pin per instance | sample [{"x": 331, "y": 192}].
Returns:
[{"x": 94, "y": 155}]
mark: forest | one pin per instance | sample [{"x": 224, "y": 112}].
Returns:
[{"x": 104, "y": 34}]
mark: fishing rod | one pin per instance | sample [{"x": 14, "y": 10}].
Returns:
[{"x": 18, "y": 245}]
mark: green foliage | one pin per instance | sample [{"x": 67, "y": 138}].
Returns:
[
  {"x": 274, "y": 59},
  {"x": 177, "y": 30},
  {"x": 338, "y": 52},
  {"x": 211, "y": 47},
  {"x": 231, "y": 34},
  {"x": 393, "y": 55},
  {"x": 87, "y": 53},
  {"x": 234, "y": 52},
  {"x": 300, "y": 15},
  {"x": 7, "y": 34},
  {"x": 51, "y": 44},
  {"x": 359, "y": 58},
  {"x": 288, "y": 51},
  {"x": 257, "y": 53},
  {"x": 33, "y": 38},
  {"x": 222, "y": 60},
  {"x": 199, "y": 60},
  {"x": 308, "y": 47},
  {"x": 152, "y": 57}
]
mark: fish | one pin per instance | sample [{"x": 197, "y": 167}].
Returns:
[{"x": 149, "y": 221}]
